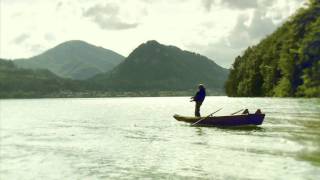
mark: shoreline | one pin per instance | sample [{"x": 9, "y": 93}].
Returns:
[{"x": 102, "y": 94}]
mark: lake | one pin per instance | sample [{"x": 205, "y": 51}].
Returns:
[{"x": 131, "y": 138}]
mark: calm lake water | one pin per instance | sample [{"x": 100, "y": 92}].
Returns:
[{"x": 137, "y": 138}]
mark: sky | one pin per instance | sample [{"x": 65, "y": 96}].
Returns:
[{"x": 218, "y": 29}]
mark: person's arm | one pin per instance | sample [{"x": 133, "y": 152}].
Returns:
[{"x": 195, "y": 97}]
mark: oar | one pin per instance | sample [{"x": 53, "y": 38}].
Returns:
[
  {"x": 236, "y": 112},
  {"x": 205, "y": 117}
]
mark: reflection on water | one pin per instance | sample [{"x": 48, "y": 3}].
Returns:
[
  {"x": 130, "y": 138},
  {"x": 243, "y": 128},
  {"x": 309, "y": 136}
]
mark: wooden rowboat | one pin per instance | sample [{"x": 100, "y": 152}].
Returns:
[{"x": 225, "y": 121}]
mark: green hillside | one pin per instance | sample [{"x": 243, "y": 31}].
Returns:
[
  {"x": 74, "y": 59},
  {"x": 16, "y": 82},
  {"x": 284, "y": 64},
  {"x": 153, "y": 66}
]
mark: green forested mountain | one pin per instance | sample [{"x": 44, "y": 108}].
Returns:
[
  {"x": 74, "y": 59},
  {"x": 151, "y": 69},
  {"x": 284, "y": 64},
  {"x": 153, "y": 66},
  {"x": 17, "y": 82}
]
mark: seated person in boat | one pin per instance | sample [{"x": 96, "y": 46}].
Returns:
[
  {"x": 199, "y": 98},
  {"x": 246, "y": 111},
  {"x": 258, "y": 111}
]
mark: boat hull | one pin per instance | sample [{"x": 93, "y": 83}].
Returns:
[{"x": 225, "y": 121}]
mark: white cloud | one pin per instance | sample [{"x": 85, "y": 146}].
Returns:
[
  {"x": 255, "y": 21},
  {"x": 241, "y": 4},
  {"x": 49, "y": 37},
  {"x": 219, "y": 29},
  {"x": 107, "y": 17},
  {"x": 233, "y": 4},
  {"x": 21, "y": 38}
]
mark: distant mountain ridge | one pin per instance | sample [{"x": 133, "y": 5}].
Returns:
[
  {"x": 154, "y": 66},
  {"x": 74, "y": 59},
  {"x": 152, "y": 69}
]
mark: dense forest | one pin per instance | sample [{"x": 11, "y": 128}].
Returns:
[
  {"x": 154, "y": 66},
  {"x": 284, "y": 64}
]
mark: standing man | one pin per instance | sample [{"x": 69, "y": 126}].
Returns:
[{"x": 199, "y": 98}]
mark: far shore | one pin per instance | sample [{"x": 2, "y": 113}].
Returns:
[{"x": 101, "y": 94}]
